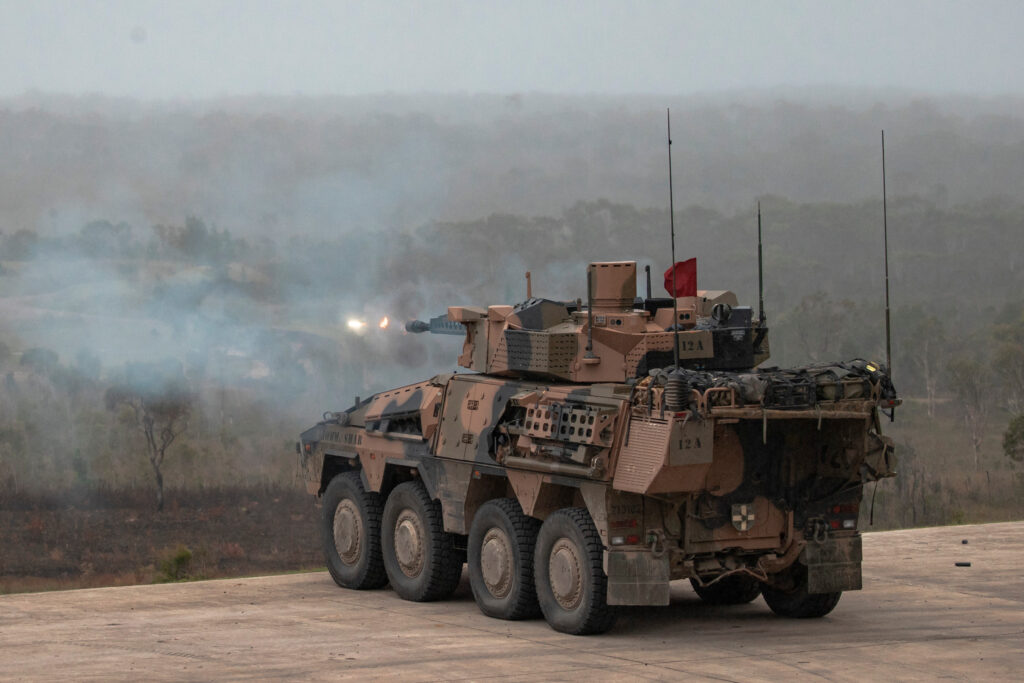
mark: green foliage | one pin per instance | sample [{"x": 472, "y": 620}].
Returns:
[
  {"x": 175, "y": 565},
  {"x": 1013, "y": 439}
]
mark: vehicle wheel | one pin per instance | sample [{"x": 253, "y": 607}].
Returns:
[
  {"x": 500, "y": 559},
  {"x": 350, "y": 531},
  {"x": 568, "y": 571},
  {"x": 798, "y": 603},
  {"x": 737, "y": 589},
  {"x": 421, "y": 560}
]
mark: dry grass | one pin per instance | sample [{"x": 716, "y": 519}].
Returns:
[{"x": 79, "y": 540}]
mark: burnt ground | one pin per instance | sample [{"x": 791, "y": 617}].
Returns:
[{"x": 79, "y": 538}]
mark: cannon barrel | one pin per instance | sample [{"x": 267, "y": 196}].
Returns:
[{"x": 437, "y": 325}]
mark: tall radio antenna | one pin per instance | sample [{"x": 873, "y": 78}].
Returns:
[
  {"x": 760, "y": 271},
  {"x": 672, "y": 224},
  {"x": 885, "y": 233}
]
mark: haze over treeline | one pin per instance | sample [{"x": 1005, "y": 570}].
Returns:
[
  {"x": 332, "y": 166},
  {"x": 235, "y": 240}
]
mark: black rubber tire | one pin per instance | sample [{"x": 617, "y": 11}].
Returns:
[
  {"x": 588, "y": 611},
  {"x": 438, "y": 566},
  {"x": 518, "y": 599},
  {"x": 365, "y": 569},
  {"x": 737, "y": 589},
  {"x": 799, "y": 604}
]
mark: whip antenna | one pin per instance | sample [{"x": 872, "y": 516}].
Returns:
[
  {"x": 885, "y": 233},
  {"x": 672, "y": 228},
  {"x": 760, "y": 271}
]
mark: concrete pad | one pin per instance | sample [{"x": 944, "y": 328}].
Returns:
[{"x": 919, "y": 617}]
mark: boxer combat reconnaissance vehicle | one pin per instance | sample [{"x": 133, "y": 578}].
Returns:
[{"x": 599, "y": 449}]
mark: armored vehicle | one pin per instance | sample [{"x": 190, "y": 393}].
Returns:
[{"x": 599, "y": 450}]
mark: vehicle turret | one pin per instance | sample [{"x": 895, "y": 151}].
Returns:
[{"x": 613, "y": 336}]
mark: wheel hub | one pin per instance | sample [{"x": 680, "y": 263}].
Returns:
[
  {"x": 409, "y": 543},
  {"x": 564, "y": 573},
  {"x": 348, "y": 532},
  {"x": 496, "y": 562}
]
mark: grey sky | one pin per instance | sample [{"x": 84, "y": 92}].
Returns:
[{"x": 188, "y": 48}]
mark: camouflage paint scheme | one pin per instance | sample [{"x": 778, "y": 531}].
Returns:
[{"x": 729, "y": 485}]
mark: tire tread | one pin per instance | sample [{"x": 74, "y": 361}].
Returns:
[
  {"x": 372, "y": 506},
  {"x": 525, "y": 529},
  {"x": 599, "y": 616},
  {"x": 445, "y": 570}
]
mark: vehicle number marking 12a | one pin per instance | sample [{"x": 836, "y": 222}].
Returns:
[
  {"x": 696, "y": 344},
  {"x": 689, "y": 444}
]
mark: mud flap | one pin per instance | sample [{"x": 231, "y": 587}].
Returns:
[
  {"x": 637, "y": 577},
  {"x": 834, "y": 565}
]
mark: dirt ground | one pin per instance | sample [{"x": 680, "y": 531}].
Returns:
[
  {"x": 920, "y": 617},
  {"x": 82, "y": 539}
]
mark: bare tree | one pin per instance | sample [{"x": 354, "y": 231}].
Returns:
[
  {"x": 157, "y": 398},
  {"x": 929, "y": 352},
  {"x": 969, "y": 380}
]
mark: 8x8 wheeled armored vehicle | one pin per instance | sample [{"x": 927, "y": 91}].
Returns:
[{"x": 576, "y": 468}]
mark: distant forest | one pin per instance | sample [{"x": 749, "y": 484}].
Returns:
[
  {"x": 228, "y": 244},
  {"x": 332, "y": 166}
]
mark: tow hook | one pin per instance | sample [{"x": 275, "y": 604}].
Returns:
[
  {"x": 819, "y": 530},
  {"x": 656, "y": 539}
]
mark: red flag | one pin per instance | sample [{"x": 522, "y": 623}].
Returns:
[{"x": 685, "y": 278}]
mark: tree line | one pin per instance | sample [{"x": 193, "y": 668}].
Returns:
[
  {"x": 334, "y": 165},
  {"x": 259, "y": 347}
]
